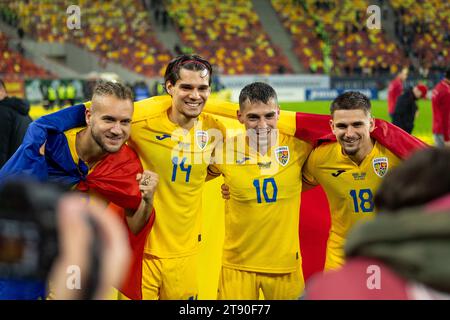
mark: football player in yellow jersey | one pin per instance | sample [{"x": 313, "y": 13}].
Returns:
[
  {"x": 261, "y": 247},
  {"x": 108, "y": 125},
  {"x": 177, "y": 144},
  {"x": 349, "y": 170}
]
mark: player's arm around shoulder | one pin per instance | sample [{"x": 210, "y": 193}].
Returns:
[
  {"x": 215, "y": 167},
  {"x": 213, "y": 172},
  {"x": 308, "y": 173},
  {"x": 148, "y": 182}
]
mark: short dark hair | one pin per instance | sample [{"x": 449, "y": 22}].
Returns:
[
  {"x": 257, "y": 91},
  {"x": 191, "y": 62},
  {"x": 351, "y": 100},
  {"x": 423, "y": 177},
  {"x": 110, "y": 88}
]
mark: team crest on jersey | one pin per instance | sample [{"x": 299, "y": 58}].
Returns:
[
  {"x": 282, "y": 155},
  {"x": 202, "y": 138},
  {"x": 380, "y": 166}
]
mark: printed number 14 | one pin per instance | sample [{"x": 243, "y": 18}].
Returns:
[{"x": 183, "y": 168}]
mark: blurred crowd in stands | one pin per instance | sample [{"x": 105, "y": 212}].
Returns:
[
  {"x": 424, "y": 29},
  {"x": 14, "y": 62},
  {"x": 332, "y": 37},
  {"x": 327, "y": 36},
  {"x": 117, "y": 30},
  {"x": 229, "y": 34}
]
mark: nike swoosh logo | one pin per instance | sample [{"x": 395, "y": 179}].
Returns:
[
  {"x": 242, "y": 160},
  {"x": 164, "y": 136},
  {"x": 337, "y": 173}
]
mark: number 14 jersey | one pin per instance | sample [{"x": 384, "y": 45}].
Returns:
[{"x": 180, "y": 158}]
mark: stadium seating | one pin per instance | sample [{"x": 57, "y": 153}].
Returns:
[
  {"x": 229, "y": 34},
  {"x": 424, "y": 28},
  {"x": 14, "y": 63},
  {"x": 328, "y": 35},
  {"x": 338, "y": 24},
  {"x": 307, "y": 45},
  {"x": 116, "y": 30}
]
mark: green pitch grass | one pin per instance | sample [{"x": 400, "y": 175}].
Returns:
[{"x": 422, "y": 124}]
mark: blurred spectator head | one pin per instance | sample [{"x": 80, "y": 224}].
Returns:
[
  {"x": 420, "y": 91},
  {"x": 423, "y": 177},
  {"x": 447, "y": 73},
  {"x": 189, "y": 62},
  {"x": 403, "y": 75}
]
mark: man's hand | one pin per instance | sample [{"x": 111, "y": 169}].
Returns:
[
  {"x": 136, "y": 219},
  {"x": 148, "y": 181},
  {"x": 225, "y": 191},
  {"x": 75, "y": 245}
]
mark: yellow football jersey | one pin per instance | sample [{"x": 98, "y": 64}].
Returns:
[
  {"x": 261, "y": 217},
  {"x": 349, "y": 187},
  {"x": 71, "y": 136},
  {"x": 180, "y": 158},
  {"x": 90, "y": 196}
]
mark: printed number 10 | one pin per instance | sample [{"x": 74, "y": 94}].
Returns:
[{"x": 257, "y": 186}]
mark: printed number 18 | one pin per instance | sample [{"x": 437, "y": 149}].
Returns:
[{"x": 363, "y": 201}]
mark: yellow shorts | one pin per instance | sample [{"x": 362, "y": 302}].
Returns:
[
  {"x": 169, "y": 279},
  {"x": 245, "y": 285}
]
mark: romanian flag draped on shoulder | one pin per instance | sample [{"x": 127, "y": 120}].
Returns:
[
  {"x": 114, "y": 177},
  {"x": 110, "y": 178}
]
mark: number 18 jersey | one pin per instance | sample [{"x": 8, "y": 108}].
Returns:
[{"x": 349, "y": 187}]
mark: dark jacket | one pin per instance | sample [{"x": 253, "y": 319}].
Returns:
[
  {"x": 14, "y": 121},
  {"x": 405, "y": 110}
]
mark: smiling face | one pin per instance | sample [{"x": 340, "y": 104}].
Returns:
[
  {"x": 352, "y": 129},
  {"x": 260, "y": 116},
  {"x": 260, "y": 120},
  {"x": 109, "y": 121},
  {"x": 189, "y": 93}
]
